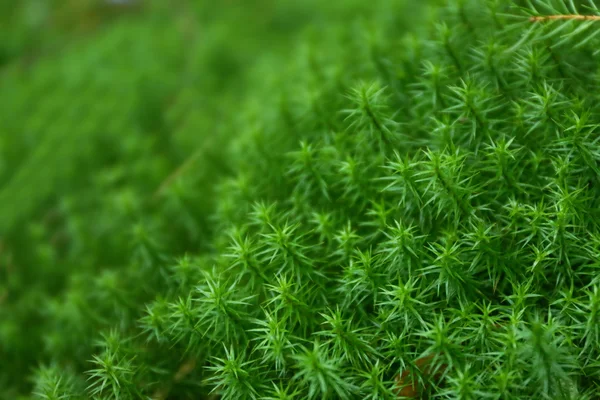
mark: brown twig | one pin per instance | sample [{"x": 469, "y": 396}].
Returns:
[
  {"x": 182, "y": 169},
  {"x": 406, "y": 383},
  {"x": 184, "y": 370},
  {"x": 566, "y": 17}
]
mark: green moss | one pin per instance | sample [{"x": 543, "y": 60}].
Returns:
[{"x": 310, "y": 204}]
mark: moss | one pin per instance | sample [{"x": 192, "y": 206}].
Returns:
[{"x": 331, "y": 201}]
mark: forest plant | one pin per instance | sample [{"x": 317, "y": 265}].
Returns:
[{"x": 385, "y": 205}]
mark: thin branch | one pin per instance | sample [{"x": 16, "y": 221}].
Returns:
[
  {"x": 182, "y": 169},
  {"x": 184, "y": 370},
  {"x": 572, "y": 17}
]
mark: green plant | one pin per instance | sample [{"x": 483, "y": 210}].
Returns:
[{"x": 381, "y": 205}]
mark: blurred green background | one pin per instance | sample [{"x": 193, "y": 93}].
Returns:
[{"x": 81, "y": 78}]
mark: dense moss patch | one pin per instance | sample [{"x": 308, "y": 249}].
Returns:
[{"x": 366, "y": 201}]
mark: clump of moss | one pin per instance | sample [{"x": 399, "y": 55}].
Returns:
[{"x": 391, "y": 210}]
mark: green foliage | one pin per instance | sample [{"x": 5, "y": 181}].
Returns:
[{"x": 334, "y": 200}]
